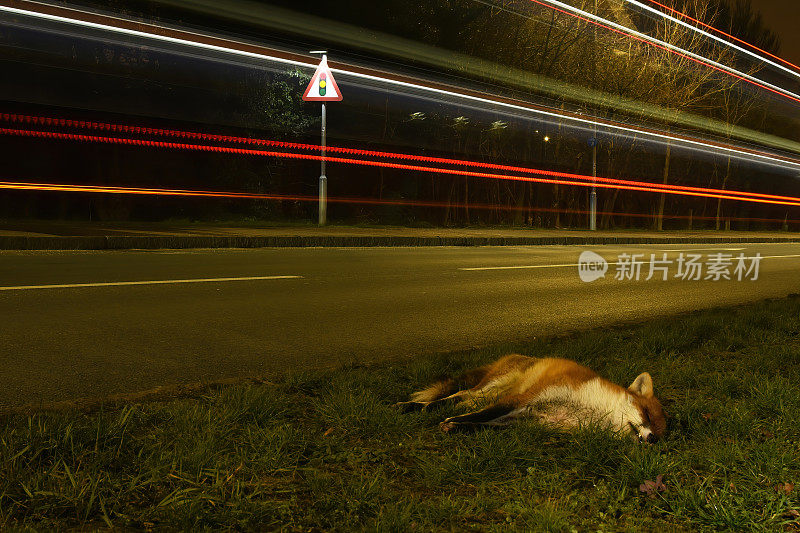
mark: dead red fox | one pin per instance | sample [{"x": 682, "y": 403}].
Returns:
[{"x": 559, "y": 392}]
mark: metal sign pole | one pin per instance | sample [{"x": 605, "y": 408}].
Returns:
[
  {"x": 322, "y": 88},
  {"x": 323, "y": 180},
  {"x": 593, "y": 195}
]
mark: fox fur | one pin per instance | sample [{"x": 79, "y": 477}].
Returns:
[{"x": 559, "y": 392}]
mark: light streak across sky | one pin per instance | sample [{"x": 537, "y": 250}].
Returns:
[
  {"x": 728, "y": 35},
  {"x": 539, "y": 176},
  {"x": 142, "y": 191},
  {"x": 619, "y": 28},
  {"x": 718, "y": 39},
  {"x": 196, "y": 40},
  {"x": 499, "y": 76},
  {"x": 181, "y": 134}
]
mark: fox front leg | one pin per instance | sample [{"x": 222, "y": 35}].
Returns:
[{"x": 494, "y": 415}]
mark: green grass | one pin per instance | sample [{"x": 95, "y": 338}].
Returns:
[{"x": 326, "y": 451}]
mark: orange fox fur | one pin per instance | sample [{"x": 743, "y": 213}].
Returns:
[{"x": 559, "y": 392}]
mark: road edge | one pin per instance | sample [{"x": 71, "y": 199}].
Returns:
[
  {"x": 14, "y": 242},
  {"x": 192, "y": 390}
]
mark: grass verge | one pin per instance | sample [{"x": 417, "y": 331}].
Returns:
[{"x": 326, "y": 451}]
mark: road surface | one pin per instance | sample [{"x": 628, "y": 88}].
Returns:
[{"x": 90, "y": 324}]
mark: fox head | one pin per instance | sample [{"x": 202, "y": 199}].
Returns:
[{"x": 652, "y": 423}]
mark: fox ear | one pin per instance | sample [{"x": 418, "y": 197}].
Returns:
[{"x": 643, "y": 385}]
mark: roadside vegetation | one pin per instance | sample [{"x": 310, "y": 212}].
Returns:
[{"x": 326, "y": 450}]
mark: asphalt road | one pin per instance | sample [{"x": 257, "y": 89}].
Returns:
[{"x": 313, "y": 307}]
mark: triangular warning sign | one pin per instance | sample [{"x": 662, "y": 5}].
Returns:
[{"x": 323, "y": 87}]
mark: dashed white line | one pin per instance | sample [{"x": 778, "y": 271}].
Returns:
[
  {"x": 149, "y": 282},
  {"x": 706, "y": 250},
  {"x": 520, "y": 267}
]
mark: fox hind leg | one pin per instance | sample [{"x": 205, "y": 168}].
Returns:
[{"x": 460, "y": 396}]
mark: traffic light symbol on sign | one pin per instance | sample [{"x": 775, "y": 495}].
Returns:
[{"x": 322, "y": 86}]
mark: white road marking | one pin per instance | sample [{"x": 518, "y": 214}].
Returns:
[
  {"x": 521, "y": 266},
  {"x": 566, "y": 265},
  {"x": 706, "y": 250},
  {"x": 150, "y": 282}
]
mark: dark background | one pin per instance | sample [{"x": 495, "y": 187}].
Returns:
[
  {"x": 783, "y": 17},
  {"x": 63, "y": 75}
]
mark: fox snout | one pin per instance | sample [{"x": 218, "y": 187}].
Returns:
[
  {"x": 645, "y": 435},
  {"x": 650, "y": 438}
]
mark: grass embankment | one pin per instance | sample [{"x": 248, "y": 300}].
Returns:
[{"x": 327, "y": 451}]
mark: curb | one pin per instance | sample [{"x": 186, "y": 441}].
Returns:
[{"x": 162, "y": 242}]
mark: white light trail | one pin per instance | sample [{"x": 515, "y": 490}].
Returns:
[
  {"x": 674, "y": 48},
  {"x": 774, "y": 160},
  {"x": 712, "y": 36}
]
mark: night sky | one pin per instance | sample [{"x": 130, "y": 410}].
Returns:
[{"x": 783, "y": 17}]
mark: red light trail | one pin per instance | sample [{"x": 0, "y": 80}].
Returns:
[
  {"x": 555, "y": 178},
  {"x": 101, "y": 189},
  {"x": 103, "y": 126},
  {"x": 144, "y": 130}
]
